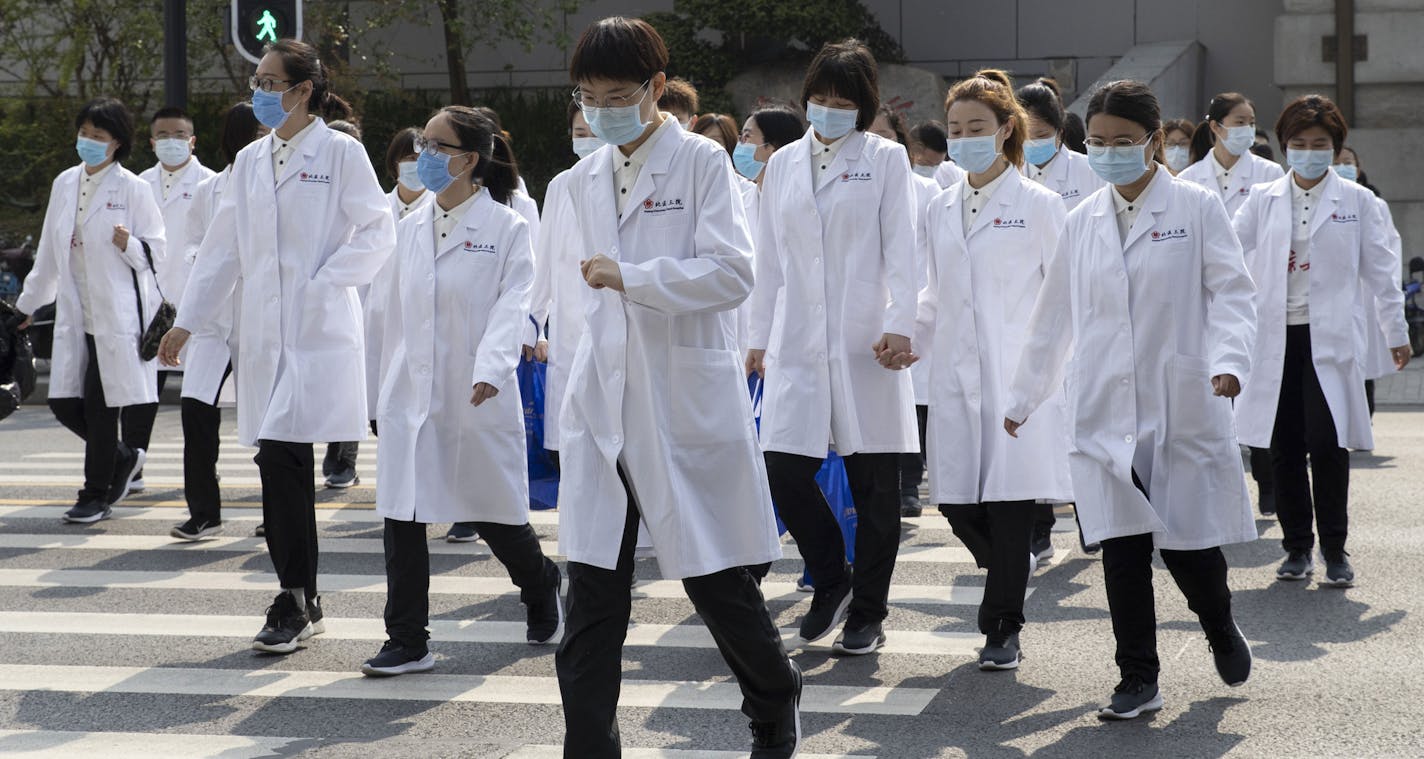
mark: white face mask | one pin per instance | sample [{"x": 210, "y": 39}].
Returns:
[
  {"x": 409, "y": 175},
  {"x": 172, "y": 151},
  {"x": 925, "y": 171},
  {"x": 585, "y": 146}
]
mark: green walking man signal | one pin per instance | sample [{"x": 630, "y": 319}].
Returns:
[
  {"x": 267, "y": 26},
  {"x": 255, "y": 24}
]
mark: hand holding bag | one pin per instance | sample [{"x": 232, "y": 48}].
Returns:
[{"x": 162, "y": 320}]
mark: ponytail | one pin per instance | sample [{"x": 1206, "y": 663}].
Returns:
[
  {"x": 302, "y": 64},
  {"x": 1221, "y": 106},
  {"x": 1203, "y": 140},
  {"x": 499, "y": 174},
  {"x": 496, "y": 170}
]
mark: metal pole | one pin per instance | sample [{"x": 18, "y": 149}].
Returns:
[
  {"x": 1345, "y": 58},
  {"x": 175, "y": 52}
]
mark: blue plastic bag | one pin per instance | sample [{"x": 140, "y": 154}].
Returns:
[{"x": 543, "y": 474}]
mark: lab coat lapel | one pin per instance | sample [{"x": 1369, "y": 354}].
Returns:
[
  {"x": 1329, "y": 201},
  {"x": 657, "y": 165},
  {"x": 263, "y": 168},
  {"x": 845, "y": 158},
  {"x": 602, "y": 226},
  {"x": 463, "y": 232},
  {"x": 306, "y": 149},
  {"x": 103, "y": 194},
  {"x": 1154, "y": 204},
  {"x": 1004, "y": 196},
  {"x": 186, "y": 181},
  {"x": 956, "y": 214},
  {"x": 1105, "y": 221}
]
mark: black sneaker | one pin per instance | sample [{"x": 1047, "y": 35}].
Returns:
[
  {"x": 260, "y": 531},
  {"x": 124, "y": 473},
  {"x": 1000, "y": 652},
  {"x": 910, "y": 506},
  {"x": 1338, "y": 572},
  {"x": 342, "y": 479},
  {"x": 780, "y": 739},
  {"x": 396, "y": 659},
  {"x": 544, "y": 610},
  {"x": 88, "y": 512},
  {"x": 1042, "y": 547},
  {"x": 804, "y": 583},
  {"x": 1232, "y": 654},
  {"x": 314, "y": 615},
  {"x": 1131, "y": 699},
  {"x": 461, "y": 532},
  {"x": 860, "y": 639},
  {"x": 137, "y": 486},
  {"x": 1267, "y": 503},
  {"x": 287, "y": 625},
  {"x": 828, "y": 610},
  {"x": 1297, "y": 566},
  {"x": 194, "y": 529}
]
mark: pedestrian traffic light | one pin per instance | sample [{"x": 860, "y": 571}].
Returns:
[{"x": 259, "y": 23}]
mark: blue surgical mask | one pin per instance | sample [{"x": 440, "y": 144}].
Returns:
[
  {"x": 925, "y": 171},
  {"x": 91, "y": 152},
  {"x": 975, "y": 154},
  {"x": 434, "y": 170},
  {"x": 1119, "y": 165},
  {"x": 618, "y": 125},
  {"x": 267, "y": 107},
  {"x": 744, "y": 159},
  {"x": 1039, "y": 152},
  {"x": 1239, "y": 139},
  {"x": 584, "y": 147},
  {"x": 1348, "y": 171},
  {"x": 409, "y": 172},
  {"x": 1311, "y": 164},
  {"x": 831, "y": 123},
  {"x": 1178, "y": 157}
]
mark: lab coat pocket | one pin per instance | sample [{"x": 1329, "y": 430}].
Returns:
[
  {"x": 329, "y": 321},
  {"x": 1194, "y": 411},
  {"x": 708, "y": 397}
]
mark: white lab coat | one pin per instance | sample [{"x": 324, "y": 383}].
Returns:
[
  {"x": 1378, "y": 361},
  {"x": 657, "y": 385},
  {"x": 528, "y": 209},
  {"x": 301, "y": 242},
  {"x": 372, "y": 310},
  {"x": 925, "y": 190},
  {"x": 976, "y": 307},
  {"x": 123, "y": 293},
  {"x": 1070, "y": 176},
  {"x": 836, "y": 268},
  {"x": 949, "y": 174},
  {"x": 557, "y": 298},
  {"x": 173, "y": 272},
  {"x": 1349, "y": 243},
  {"x": 210, "y": 349},
  {"x": 751, "y": 203},
  {"x": 454, "y": 313},
  {"x": 1149, "y": 324},
  {"x": 1249, "y": 171}
]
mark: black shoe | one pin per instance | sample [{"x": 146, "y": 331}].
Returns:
[
  {"x": 88, "y": 512},
  {"x": 828, "y": 610},
  {"x": 910, "y": 506},
  {"x": 1131, "y": 699},
  {"x": 314, "y": 615},
  {"x": 195, "y": 529},
  {"x": 1297, "y": 566},
  {"x": 124, "y": 473},
  {"x": 1232, "y": 653},
  {"x": 395, "y": 659},
  {"x": 860, "y": 639},
  {"x": 1000, "y": 652},
  {"x": 1042, "y": 547},
  {"x": 780, "y": 739},
  {"x": 287, "y": 625},
  {"x": 1267, "y": 503},
  {"x": 461, "y": 532},
  {"x": 544, "y": 610},
  {"x": 260, "y": 531},
  {"x": 1338, "y": 572},
  {"x": 342, "y": 479}
]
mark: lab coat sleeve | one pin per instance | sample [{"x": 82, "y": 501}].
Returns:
[
  {"x": 376, "y": 312},
  {"x": 541, "y": 292},
  {"x": 1050, "y": 337},
  {"x": 147, "y": 227},
  {"x": 215, "y": 270},
  {"x": 368, "y": 213},
  {"x": 718, "y": 276},
  {"x": 42, "y": 283},
  {"x": 1231, "y": 312},
  {"x": 769, "y": 278},
  {"x": 1379, "y": 268},
  {"x": 498, "y": 353},
  {"x": 927, "y": 311},
  {"x": 897, "y": 245},
  {"x": 198, "y": 212},
  {"x": 1244, "y": 224}
]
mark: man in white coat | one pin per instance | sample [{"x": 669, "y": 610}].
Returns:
[{"x": 657, "y": 424}]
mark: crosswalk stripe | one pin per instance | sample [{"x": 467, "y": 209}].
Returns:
[
  {"x": 557, "y": 752},
  {"x": 62, "y": 744},
  {"x": 440, "y": 584},
  {"x": 501, "y": 689},
  {"x": 441, "y": 631}
]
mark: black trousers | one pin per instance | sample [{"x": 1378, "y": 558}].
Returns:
[
  {"x": 289, "y": 511},
  {"x": 1127, "y": 569},
  {"x": 408, "y": 572},
  {"x": 875, "y": 488},
  {"x": 201, "y": 423},
  {"x": 912, "y": 465},
  {"x": 999, "y": 535},
  {"x": 137, "y": 421},
  {"x": 339, "y": 457},
  {"x": 97, "y": 424},
  {"x": 1305, "y": 428},
  {"x": 590, "y": 657},
  {"x": 1263, "y": 471},
  {"x": 1370, "y": 396}
]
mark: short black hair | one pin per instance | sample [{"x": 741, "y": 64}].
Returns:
[
  {"x": 1041, "y": 101},
  {"x": 402, "y": 145},
  {"x": 845, "y": 69},
  {"x": 171, "y": 112},
  {"x": 239, "y": 129},
  {"x": 780, "y": 126},
  {"x": 573, "y": 110},
  {"x": 1075, "y": 133},
  {"x": 932, "y": 135},
  {"x": 1131, "y": 100},
  {"x": 618, "y": 49},
  {"x": 347, "y": 127},
  {"x": 112, "y": 116},
  {"x": 1309, "y": 111}
]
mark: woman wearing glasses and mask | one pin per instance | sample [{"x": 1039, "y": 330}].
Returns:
[
  {"x": 1149, "y": 290},
  {"x": 303, "y": 222}
]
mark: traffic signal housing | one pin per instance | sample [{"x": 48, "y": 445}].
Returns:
[{"x": 259, "y": 23}]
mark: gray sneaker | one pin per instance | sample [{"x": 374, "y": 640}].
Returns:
[
  {"x": 1131, "y": 699},
  {"x": 1338, "y": 572},
  {"x": 1297, "y": 566},
  {"x": 1000, "y": 652}
]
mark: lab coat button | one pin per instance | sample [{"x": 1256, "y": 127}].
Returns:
[
  {"x": 616, "y": 440},
  {"x": 272, "y": 299},
  {"x": 1125, "y": 380},
  {"x": 816, "y": 260},
  {"x": 820, "y": 308},
  {"x": 1127, "y": 439}
]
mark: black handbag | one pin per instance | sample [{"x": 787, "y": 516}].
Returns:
[{"x": 162, "y": 320}]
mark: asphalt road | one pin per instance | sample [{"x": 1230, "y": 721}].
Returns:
[{"x": 118, "y": 641}]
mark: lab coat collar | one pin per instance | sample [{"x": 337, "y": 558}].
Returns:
[
  {"x": 1154, "y": 203},
  {"x": 848, "y": 153},
  {"x": 103, "y": 186},
  {"x": 1055, "y": 172},
  {"x": 1330, "y": 194},
  {"x": 475, "y": 215},
  {"x": 188, "y": 177},
  {"x": 1003, "y": 191},
  {"x": 666, "y": 140},
  {"x": 308, "y": 144}
]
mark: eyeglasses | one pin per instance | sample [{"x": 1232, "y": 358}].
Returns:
[
  {"x": 613, "y": 101},
  {"x": 1121, "y": 142},
  {"x": 265, "y": 83},
  {"x": 432, "y": 147}
]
